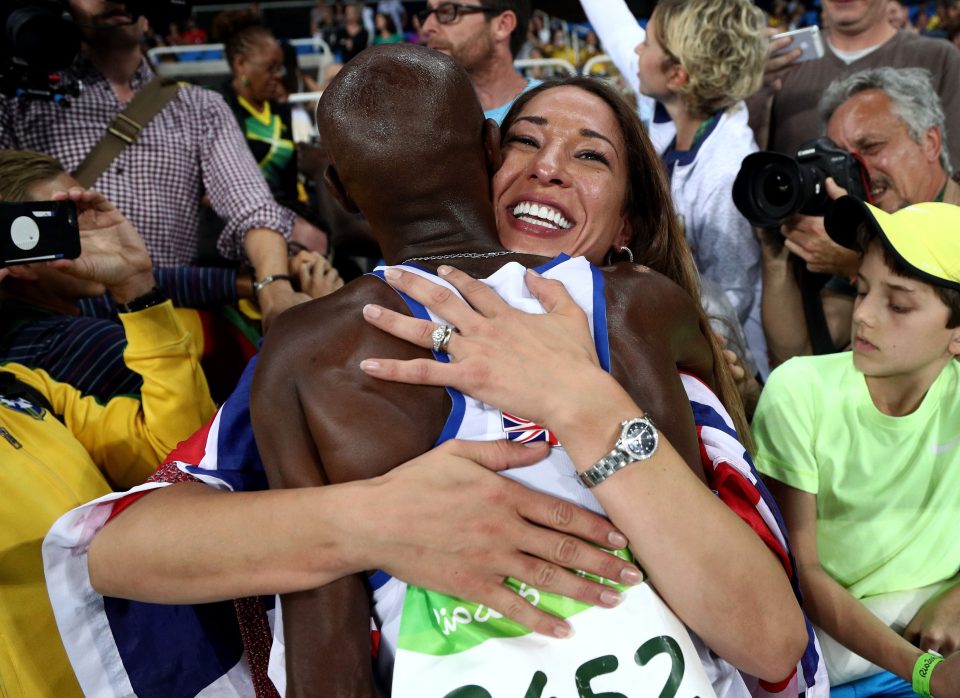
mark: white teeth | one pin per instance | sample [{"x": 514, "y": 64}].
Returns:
[
  {"x": 537, "y": 221},
  {"x": 539, "y": 214}
]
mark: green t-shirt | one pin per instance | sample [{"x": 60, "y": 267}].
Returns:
[{"x": 887, "y": 488}]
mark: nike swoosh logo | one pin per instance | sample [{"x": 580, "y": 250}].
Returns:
[{"x": 943, "y": 448}]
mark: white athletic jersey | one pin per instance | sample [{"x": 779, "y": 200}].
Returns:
[{"x": 556, "y": 475}]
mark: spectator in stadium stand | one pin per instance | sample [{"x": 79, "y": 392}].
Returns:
[
  {"x": 899, "y": 16},
  {"x": 67, "y": 327},
  {"x": 191, "y": 147},
  {"x": 483, "y": 36},
  {"x": 700, "y": 127},
  {"x": 352, "y": 37},
  {"x": 387, "y": 31},
  {"x": 59, "y": 448},
  {"x": 861, "y": 451},
  {"x": 784, "y": 115},
  {"x": 396, "y": 11},
  {"x": 256, "y": 72},
  {"x": 893, "y": 120}
]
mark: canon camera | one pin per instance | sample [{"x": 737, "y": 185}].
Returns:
[{"x": 772, "y": 187}]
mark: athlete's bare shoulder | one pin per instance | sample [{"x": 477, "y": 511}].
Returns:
[{"x": 645, "y": 302}]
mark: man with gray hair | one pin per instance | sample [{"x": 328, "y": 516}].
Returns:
[{"x": 893, "y": 120}]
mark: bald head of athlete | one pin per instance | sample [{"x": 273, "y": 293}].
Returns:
[{"x": 406, "y": 136}]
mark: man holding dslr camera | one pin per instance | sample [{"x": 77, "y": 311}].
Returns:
[
  {"x": 892, "y": 121},
  {"x": 187, "y": 145}
]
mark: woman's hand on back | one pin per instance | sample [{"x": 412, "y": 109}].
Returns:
[{"x": 530, "y": 365}]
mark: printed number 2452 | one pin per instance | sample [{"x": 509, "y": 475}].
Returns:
[{"x": 599, "y": 666}]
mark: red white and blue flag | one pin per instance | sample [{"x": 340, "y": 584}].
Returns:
[{"x": 524, "y": 431}]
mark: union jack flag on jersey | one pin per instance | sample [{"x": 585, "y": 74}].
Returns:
[{"x": 524, "y": 431}]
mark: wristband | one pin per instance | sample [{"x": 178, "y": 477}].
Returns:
[
  {"x": 155, "y": 296},
  {"x": 922, "y": 671},
  {"x": 258, "y": 285}
]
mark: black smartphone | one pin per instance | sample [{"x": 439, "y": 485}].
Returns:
[{"x": 38, "y": 231}]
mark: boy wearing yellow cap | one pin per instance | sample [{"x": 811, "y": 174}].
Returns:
[{"x": 862, "y": 451}]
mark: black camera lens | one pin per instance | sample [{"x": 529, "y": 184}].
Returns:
[
  {"x": 767, "y": 188},
  {"x": 41, "y": 38},
  {"x": 777, "y": 190}
]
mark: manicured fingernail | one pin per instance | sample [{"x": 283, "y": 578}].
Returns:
[
  {"x": 443, "y": 269},
  {"x": 618, "y": 541},
  {"x": 369, "y": 365},
  {"x": 631, "y": 575},
  {"x": 372, "y": 311},
  {"x": 610, "y": 598},
  {"x": 563, "y": 631},
  {"x": 392, "y": 274}
]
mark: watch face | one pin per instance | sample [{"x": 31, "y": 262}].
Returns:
[{"x": 640, "y": 438}]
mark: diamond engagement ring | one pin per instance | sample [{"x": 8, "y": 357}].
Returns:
[{"x": 441, "y": 337}]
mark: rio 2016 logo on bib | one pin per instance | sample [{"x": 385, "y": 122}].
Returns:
[{"x": 451, "y": 648}]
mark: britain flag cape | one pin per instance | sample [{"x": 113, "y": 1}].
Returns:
[{"x": 128, "y": 648}]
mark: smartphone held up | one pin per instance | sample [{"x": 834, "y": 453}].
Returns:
[
  {"x": 807, "y": 39},
  {"x": 38, "y": 231}
]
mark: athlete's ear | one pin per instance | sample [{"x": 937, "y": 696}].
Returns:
[
  {"x": 332, "y": 181},
  {"x": 491, "y": 146}
]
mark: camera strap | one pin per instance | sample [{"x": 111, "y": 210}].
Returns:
[
  {"x": 125, "y": 127},
  {"x": 820, "y": 340}
]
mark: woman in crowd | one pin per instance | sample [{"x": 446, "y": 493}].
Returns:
[
  {"x": 642, "y": 218},
  {"x": 256, "y": 74},
  {"x": 352, "y": 37},
  {"x": 387, "y": 32}
]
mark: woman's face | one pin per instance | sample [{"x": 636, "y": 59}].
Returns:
[
  {"x": 563, "y": 181},
  {"x": 262, "y": 65}
]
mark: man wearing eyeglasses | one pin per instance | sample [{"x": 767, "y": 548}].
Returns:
[{"x": 484, "y": 37}]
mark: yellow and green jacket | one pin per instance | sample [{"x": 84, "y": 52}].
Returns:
[{"x": 52, "y": 463}]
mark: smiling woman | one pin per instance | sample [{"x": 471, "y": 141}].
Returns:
[
  {"x": 580, "y": 177},
  {"x": 563, "y": 179}
]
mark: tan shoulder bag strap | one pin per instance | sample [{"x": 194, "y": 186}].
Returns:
[{"x": 125, "y": 128}]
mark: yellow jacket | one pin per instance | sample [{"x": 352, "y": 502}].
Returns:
[{"x": 49, "y": 466}]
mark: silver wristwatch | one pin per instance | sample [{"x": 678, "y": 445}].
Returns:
[{"x": 638, "y": 441}]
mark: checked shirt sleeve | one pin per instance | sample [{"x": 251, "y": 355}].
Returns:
[{"x": 236, "y": 188}]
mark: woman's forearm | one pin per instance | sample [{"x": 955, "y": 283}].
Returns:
[
  {"x": 682, "y": 534},
  {"x": 191, "y": 543}
]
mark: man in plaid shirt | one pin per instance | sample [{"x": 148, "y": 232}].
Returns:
[{"x": 191, "y": 148}]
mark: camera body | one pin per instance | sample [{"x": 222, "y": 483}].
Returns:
[
  {"x": 38, "y": 231},
  {"x": 39, "y": 40},
  {"x": 772, "y": 187}
]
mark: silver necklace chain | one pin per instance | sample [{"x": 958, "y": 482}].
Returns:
[{"x": 463, "y": 255}]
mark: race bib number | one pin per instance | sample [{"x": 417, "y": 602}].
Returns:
[{"x": 450, "y": 648}]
